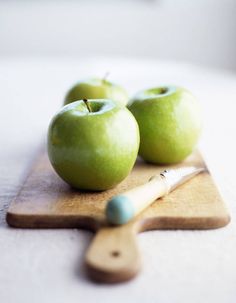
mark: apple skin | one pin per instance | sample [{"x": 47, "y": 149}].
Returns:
[
  {"x": 96, "y": 88},
  {"x": 170, "y": 123},
  {"x": 93, "y": 150}
]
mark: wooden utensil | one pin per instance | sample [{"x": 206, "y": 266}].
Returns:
[
  {"x": 124, "y": 207},
  {"x": 45, "y": 201}
]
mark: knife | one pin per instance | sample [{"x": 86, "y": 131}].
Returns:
[{"x": 122, "y": 208}]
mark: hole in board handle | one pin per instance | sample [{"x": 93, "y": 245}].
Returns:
[{"x": 115, "y": 253}]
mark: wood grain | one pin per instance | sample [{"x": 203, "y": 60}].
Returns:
[{"x": 45, "y": 201}]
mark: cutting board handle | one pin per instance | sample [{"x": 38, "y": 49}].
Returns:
[{"x": 113, "y": 255}]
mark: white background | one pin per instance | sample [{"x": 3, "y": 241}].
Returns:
[{"x": 200, "y": 31}]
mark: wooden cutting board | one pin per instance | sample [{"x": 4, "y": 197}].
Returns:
[{"x": 45, "y": 201}]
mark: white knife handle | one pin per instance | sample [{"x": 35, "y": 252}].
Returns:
[{"x": 123, "y": 208}]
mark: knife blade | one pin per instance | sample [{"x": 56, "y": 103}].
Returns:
[{"x": 124, "y": 207}]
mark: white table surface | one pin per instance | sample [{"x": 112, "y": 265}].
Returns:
[{"x": 47, "y": 265}]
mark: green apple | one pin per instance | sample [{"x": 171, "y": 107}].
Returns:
[
  {"x": 96, "y": 88},
  {"x": 93, "y": 144},
  {"x": 170, "y": 123}
]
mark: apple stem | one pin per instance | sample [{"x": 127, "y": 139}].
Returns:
[
  {"x": 87, "y": 105},
  {"x": 163, "y": 90}
]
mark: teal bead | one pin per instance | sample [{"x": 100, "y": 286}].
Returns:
[{"x": 119, "y": 210}]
